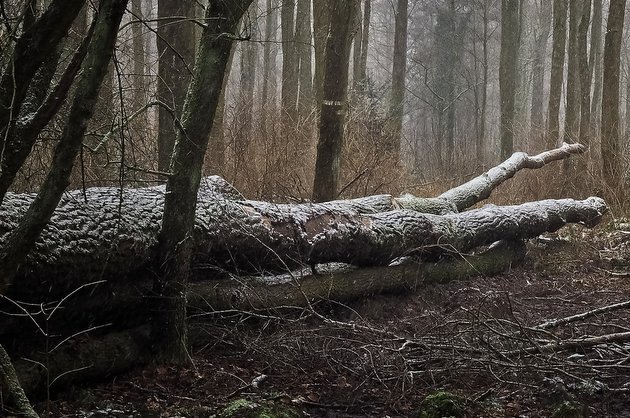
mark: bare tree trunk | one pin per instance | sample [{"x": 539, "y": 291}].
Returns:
[
  {"x": 269, "y": 81},
  {"x": 585, "y": 82},
  {"x": 357, "y": 40},
  {"x": 14, "y": 401},
  {"x": 175, "y": 244},
  {"x": 572, "y": 113},
  {"x": 399, "y": 73},
  {"x": 176, "y": 50},
  {"x": 321, "y": 27},
  {"x": 304, "y": 41},
  {"x": 595, "y": 64},
  {"x": 290, "y": 69},
  {"x": 611, "y": 137},
  {"x": 245, "y": 110},
  {"x": 557, "y": 71},
  {"x": 507, "y": 72},
  {"x": 365, "y": 39},
  {"x": 538, "y": 70},
  {"x": 139, "y": 79},
  {"x": 480, "y": 144},
  {"x": 333, "y": 107}
]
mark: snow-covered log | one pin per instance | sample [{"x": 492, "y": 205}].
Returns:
[{"x": 108, "y": 233}]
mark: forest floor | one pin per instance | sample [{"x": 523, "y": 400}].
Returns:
[{"x": 477, "y": 339}]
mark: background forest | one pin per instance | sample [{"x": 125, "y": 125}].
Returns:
[
  {"x": 424, "y": 103},
  {"x": 189, "y": 182}
]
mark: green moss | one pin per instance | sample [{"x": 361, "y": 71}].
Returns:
[
  {"x": 442, "y": 405},
  {"x": 243, "y": 408},
  {"x": 568, "y": 409}
]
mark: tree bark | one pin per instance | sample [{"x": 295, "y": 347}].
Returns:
[
  {"x": 290, "y": 77},
  {"x": 585, "y": 84},
  {"x": 572, "y": 111},
  {"x": 304, "y": 42},
  {"x": 22, "y": 239},
  {"x": 611, "y": 136},
  {"x": 538, "y": 72},
  {"x": 333, "y": 106},
  {"x": 231, "y": 233},
  {"x": 14, "y": 400},
  {"x": 176, "y": 49},
  {"x": 595, "y": 64},
  {"x": 557, "y": 71},
  {"x": 321, "y": 28},
  {"x": 507, "y": 72},
  {"x": 175, "y": 245},
  {"x": 269, "y": 60},
  {"x": 399, "y": 74}
]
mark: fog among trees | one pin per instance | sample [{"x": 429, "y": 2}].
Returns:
[{"x": 220, "y": 139}]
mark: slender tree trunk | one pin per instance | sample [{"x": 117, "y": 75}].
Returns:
[
  {"x": 557, "y": 71},
  {"x": 507, "y": 72},
  {"x": 304, "y": 40},
  {"x": 538, "y": 72},
  {"x": 572, "y": 114},
  {"x": 176, "y": 51},
  {"x": 139, "y": 79},
  {"x": 175, "y": 238},
  {"x": 595, "y": 64},
  {"x": 290, "y": 76},
  {"x": 365, "y": 39},
  {"x": 333, "y": 107},
  {"x": 611, "y": 137},
  {"x": 585, "y": 80},
  {"x": 321, "y": 27},
  {"x": 399, "y": 73},
  {"x": 357, "y": 40},
  {"x": 249, "y": 59},
  {"x": 480, "y": 146}
]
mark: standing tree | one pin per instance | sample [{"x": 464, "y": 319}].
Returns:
[
  {"x": 595, "y": 63},
  {"x": 611, "y": 136},
  {"x": 303, "y": 38},
  {"x": 290, "y": 76},
  {"x": 538, "y": 70},
  {"x": 507, "y": 72},
  {"x": 176, "y": 49},
  {"x": 333, "y": 106},
  {"x": 399, "y": 72},
  {"x": 585, "y": 79},
  {"x": 572, "y": 111},
  {"x": 557, "y": 70},
  {"x": 222, "y": 18}
]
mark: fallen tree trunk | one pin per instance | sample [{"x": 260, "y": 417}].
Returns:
[
  {"x": 86, "y": 357},
  {"x": 108, "y": 233},
  {"x": 111, "y": 235}
]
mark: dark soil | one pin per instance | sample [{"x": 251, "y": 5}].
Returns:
[{"x": 383, "y": 355}]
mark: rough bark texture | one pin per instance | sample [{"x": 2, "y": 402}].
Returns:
[
  {"x": 22, "y": 239},
  {"x": 333, "y": 105},
  {"x": 176, "y": 49},
  {"x": 241, "y": 235},
  {"x": 14, "y": 401},
  {"x": 175, "y": 245}
]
